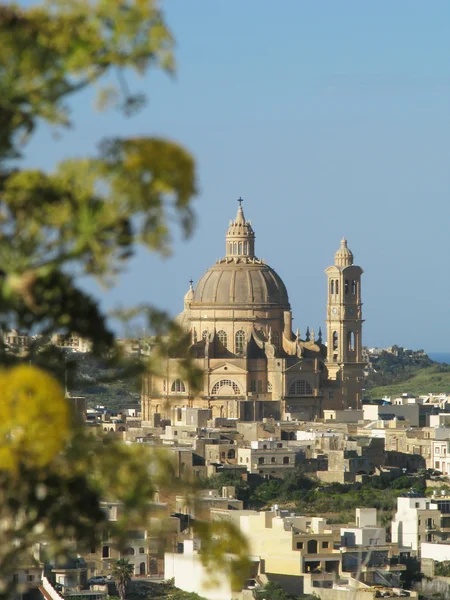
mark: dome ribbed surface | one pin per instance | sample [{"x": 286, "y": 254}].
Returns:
[
  {"x": 244, "y": 283},
  {"x": 344, "y": 256}
]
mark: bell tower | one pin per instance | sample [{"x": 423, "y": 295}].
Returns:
[{"x": 344, "y": 328}]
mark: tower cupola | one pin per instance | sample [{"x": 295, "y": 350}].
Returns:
[
  {"x": 344, "y": 256},
  {"x": 240, "y": 237}
]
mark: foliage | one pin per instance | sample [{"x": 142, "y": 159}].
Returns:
[
  {"x": 412, "y": 573},
  {"x": 137, "y": 590},
  {"x": 34, "y": 418},
  {"x": 442, "y": 569},
  {"x": 392, "y": 369},
  {"x": 228, "y": 478},
  {"x": 309, "y": 496},
  {"x": 122, "y": 572},
  {"x": 84, "y": 218},
  {"x": 274, "y": 591},
  {"x": 434, "y": 379},
  {"x": 182, "y": 595},
  {"x": 292, "y": 488}
]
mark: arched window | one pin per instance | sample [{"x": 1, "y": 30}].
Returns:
[
  {"x": 351, "y": 341},
  {"x": 142, "y": 568},
  {"x": 337, "y": 286},
  {"x": 273, "y": 459},
  {"x": 261, "y": 460},
  {"x": 312, "y": 547},
  {"x": 354, "y": 287},
  {"x": 231, "y": 454},
  {"x": 300, "y": 387},
  {"x": 286, "y": 460},
  {"x": 332, "y": 286},
  {"x": 225, "y": 383},
  {"x": 141, "y": 550},
  {"x": 240, "y": 341},
  {"x": 178, "y": 387},
  {"x": 245, "y": 248},
  {"x": 223, "y": 339},
  {"x": 346, "y": 287},
  {"x": 240, "y": 248},
  {"x": 235, "y": 247},
  {"x": 335, "y": 340},
  {"x": 230, "y": 248},
  {"x": 129, "y": 551}
]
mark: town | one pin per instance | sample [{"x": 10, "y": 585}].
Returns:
[
  {"x": 336, "y": 493},
  {"x": 180, "y": 418}
]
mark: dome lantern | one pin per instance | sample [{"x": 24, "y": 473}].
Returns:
[
  {"x": 240, "y": 237},
  {"x": 344, "y": 256}
]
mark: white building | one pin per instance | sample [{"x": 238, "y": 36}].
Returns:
[
  {"x": 413, "y": 523},
  {"x": 190, "y": 575},
  {"x": 436, "y": 552},
  {"x": 366, "y": 532},
  {"x": 440, "y": 451},
  {"x": 409, "y": 412},
  {"x": 440, "y": 420}
]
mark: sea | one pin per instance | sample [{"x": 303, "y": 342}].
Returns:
[{"x": 440, "y": 357}]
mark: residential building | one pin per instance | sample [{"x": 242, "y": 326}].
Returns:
[
  {"x": 366, "y": 555},
  {"x": 416, "y": 520},
  {"x": 71, "y": 341},
  {"x": 268, "y": 457}
]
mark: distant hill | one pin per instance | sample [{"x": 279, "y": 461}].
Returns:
[
  {"x": 393, "y": 367},
  {"x": 432, "y": 379},
  {"x": 103, "y": 385}
]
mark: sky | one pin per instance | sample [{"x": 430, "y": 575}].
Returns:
[{"x": 330, "y": 118}]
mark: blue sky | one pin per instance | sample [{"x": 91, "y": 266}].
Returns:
[{"x": 329, "y": 118}]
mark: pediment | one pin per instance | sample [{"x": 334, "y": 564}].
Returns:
[{"x": 227, "y": 367}]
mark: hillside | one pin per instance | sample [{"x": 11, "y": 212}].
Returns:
[
  {"x": 434, "y": 379},
  {"x": 103, "y": 384}
]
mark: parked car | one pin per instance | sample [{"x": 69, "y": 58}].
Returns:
[{"x": 97, "y": 580}]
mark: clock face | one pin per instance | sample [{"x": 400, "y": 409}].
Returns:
[{"x": 334, "y": 310}]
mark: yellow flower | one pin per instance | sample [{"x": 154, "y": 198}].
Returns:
[{"x": 34, "y": 417}]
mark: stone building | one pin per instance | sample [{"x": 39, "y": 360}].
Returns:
[{"x": 240, "y": 322}]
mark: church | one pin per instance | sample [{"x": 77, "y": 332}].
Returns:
[{"x": 240, "y": 324}]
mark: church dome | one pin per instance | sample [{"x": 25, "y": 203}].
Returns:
[
  {"x": 239, "y": 282},
  {"x": 241, "y": 278}
]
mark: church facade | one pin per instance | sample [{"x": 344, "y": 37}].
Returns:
[{"x": 254, "y": 366}]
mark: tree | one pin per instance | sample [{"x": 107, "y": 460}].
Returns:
[
  {"x": 122, "y": 572},
  {"x": 85, "y": 218}
]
